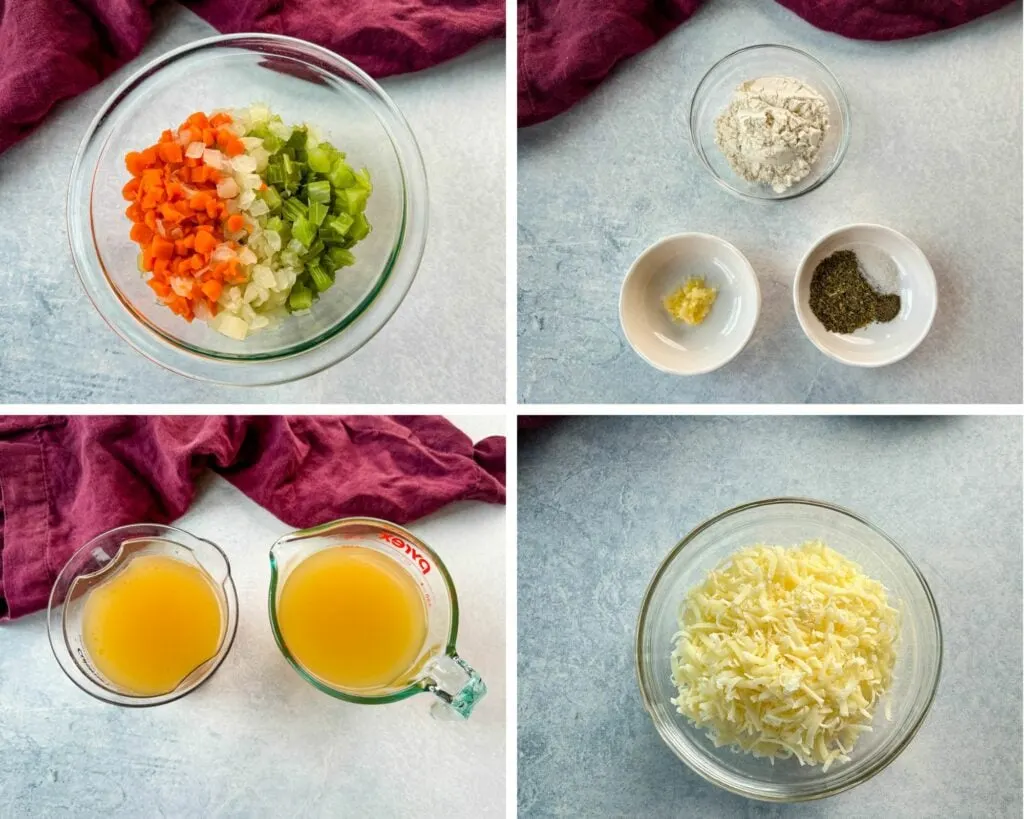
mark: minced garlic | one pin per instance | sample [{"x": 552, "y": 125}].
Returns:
[
  {"x": 785, "y": 652},
  {"x": 692, "y": 302}
]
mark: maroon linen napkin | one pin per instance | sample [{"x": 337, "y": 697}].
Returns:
[
  {"x": 567, "y": 47},
  {"x": 64, "y": 480},
  {"x": 51, "y": 50}
]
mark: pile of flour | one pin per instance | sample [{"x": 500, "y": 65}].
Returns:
[{"x": 772, "y": 131}]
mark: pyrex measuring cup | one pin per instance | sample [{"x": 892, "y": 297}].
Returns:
[
  {"x": 100, "y": 560},
  {"x": 437, "y": 668}
]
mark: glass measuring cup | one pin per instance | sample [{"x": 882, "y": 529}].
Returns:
[
  {"x": 100, "y": 560},
  {"x": 437, "y": 669}
]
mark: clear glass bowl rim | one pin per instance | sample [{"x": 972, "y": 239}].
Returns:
[
  {"x": 884, "y": 762},
  {"x": 130, "y": 700},
  {"x": 302, "y": 360},
  {"x": 844, "y": 143}
]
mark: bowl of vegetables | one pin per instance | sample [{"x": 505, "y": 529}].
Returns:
[{"x": 248, "y": 209}]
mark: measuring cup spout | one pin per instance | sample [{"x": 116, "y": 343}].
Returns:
[{"x": 457, "y": 686}]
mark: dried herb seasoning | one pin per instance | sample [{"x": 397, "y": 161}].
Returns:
[{"x": 843, "y": 299}]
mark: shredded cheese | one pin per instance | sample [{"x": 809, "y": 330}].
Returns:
[{"x": 785, "y": 652}]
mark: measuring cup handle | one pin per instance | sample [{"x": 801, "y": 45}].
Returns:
[{"x": 457, "y": 686}]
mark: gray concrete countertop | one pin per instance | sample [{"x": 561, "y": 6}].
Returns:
[
  {"x": 446, "y": 343},
  {"x": 603, "y": 500},
  {"x": 256, "y": 739},
  {"x": 935, "y": 154}
]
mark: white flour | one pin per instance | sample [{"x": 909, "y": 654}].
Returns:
[{"x": 772, "y": 130}]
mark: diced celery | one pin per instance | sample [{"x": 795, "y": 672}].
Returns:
[
  {"x": 301, "y": 297},
  {"x": 321, "y": 280},
  {"x": 297, "y": 139},
  {"x": 275, "y": 173},
  {"x": 304, "y": 231},
  {"x": 363, "y": 180},
  {"x": 315, "y": 249},
  {"x": 335, "y": 229},
  {"x": 271, "y": 197},
  {"x": 341, "y": 175},
  {"x": 320, "y": 158},
  {"x": 317, "y": 212},
  {"x": 294, "y": 208},
  {"x": 274, "y": 223},
  {"x": 355, "y": 199},
  {"x": 340, "y": 257},
  {"x": 319, "y": 191},
  {"x": 360, "y": 228}
]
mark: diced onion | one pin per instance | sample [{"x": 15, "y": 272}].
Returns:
[
  {"x": 228, "y": 189},
  {"x": 213, "y": 158}
]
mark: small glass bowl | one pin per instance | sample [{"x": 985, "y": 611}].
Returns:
[
  {"x": 104, "y": 554},
  {"x": 715, "y": 92},
  {"x": 303, "y": 83},
  {"x": 784, "y": 522}
]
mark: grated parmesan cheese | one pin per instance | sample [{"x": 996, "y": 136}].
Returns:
[{"x": 785, "y": 652}]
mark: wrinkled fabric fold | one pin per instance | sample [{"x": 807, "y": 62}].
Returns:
[
  {"x": 52, "y": 50},
  {"x": 568, "y": 47},
  {"x": 65, "y": 480}
]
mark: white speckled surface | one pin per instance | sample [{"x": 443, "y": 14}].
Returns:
[
  {"x": 603, "y": 500},
  {"x": 446, "y": 343},
  {"x": 256, "y": 740},
  {"x": 935, "y": 154}
]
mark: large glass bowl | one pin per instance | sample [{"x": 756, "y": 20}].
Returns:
[
  {"x": 785, "y": 522},
  {"x": 303, "y": 83},
  {"x": 715, "y": 92}
]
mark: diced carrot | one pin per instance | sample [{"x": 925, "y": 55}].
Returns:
[
  {"x": 212, "y": 289},
  {"x": 162, "y": 248},
  {"x": 133, "y": 212},
  {"x": 150, "y": 177},
  {"x": 198, "y": 201},
  {"x": 171, "y": 152},
  {"x": 160, "y": 267},
  {"x": 130, "y": 190},
  {"x": 208, "y": 137},
  {"x": 205, "y": 243},
  {"x": 220, "y": 118},
  {"x": 141, "y": 233},
  {"x": 150, "y": 219},
  {"x": 134, "y": 162},
  {"x": 170, "y": 213},
  {"x": 236, "y": 222},
  {"x": 160, "y": 287},
  {"x": 149, "y": 157},
  {"x": 234, "y": 147}
]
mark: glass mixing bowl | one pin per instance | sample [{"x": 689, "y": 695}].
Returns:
[
  {"x": 715, "y": 92},
  {"x": 785, "y": 522},
  {"x": 302, "y": 83}
]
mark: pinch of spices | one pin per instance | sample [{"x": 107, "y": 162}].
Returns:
[{"x": 843, "y": 300}]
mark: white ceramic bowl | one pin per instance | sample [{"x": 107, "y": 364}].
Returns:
[
  {"x": 877, "y": 344},
  {"x": 678, "y": 348}
]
